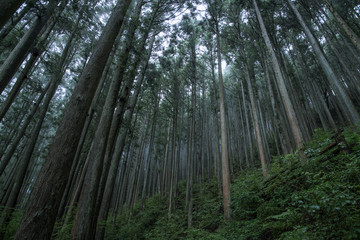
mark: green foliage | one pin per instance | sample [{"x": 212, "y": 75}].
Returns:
[
  {"x": 207, "y": 214},
  {"x": 314, "y": 199},
  {"x": 135, "y": 226},
  {"x": 165, "y": 228},
  {"x": 245, "y": 195},
  {"x": 8, "y": 230},
  {"x": 318, "y": 198},
  {"x": 62, "y": 230}
]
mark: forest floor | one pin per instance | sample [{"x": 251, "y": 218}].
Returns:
[{"x": 314, "y": 199}]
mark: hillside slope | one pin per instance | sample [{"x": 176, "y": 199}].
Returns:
[{"x": 315, "y": 199}]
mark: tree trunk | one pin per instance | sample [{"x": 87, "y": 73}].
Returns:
[
  {"x": 120, "y": 143},
  {"x": 85, "y": 221},
  {"x": 40, "y": 215},
  {"x": 17, "y": 56},
  {"x": 244, "y": 135},
  {"x": 36, "y": 53},
  {"x": 279, "y": 121},
  {"x": 347, "y": 106},
  {"x": 150, "y": 153},
  {"x": 166, "y": 155},
  {"x": 77, "y": 163},
  {"x": 315, "y": 95},
  {"x": 16, "y": 88},
  {"x": 217, "y": 167},
  {"x": 294, "y": 125},
  {"x": 124, "y": 93},
  {"x": 173, "y": 147},
  {"x": 350, "y": 33},
  {"x": 192, "y": 150},
  {"x": 136, "y": 170},
  {"x": 20, "y": 134},
  {"x": 224, "y": 146},
  {"x": 6, "y": 30},
  {"x": 259, "y": 139},
  {"x": 8, "y": 8},
  {"x": 248, "y": 133},
  {"x": 30, "y": 146}
]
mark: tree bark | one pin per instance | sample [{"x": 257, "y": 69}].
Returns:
[
  {"x": 150, "y": 153},
  {"x": 173, "y": 142},
  {"x": 243, "y": 130},
  {"x": 350, "y": 33},
  {"x": 40, "y": 215},
  {"x": 85, "y": 221},
  {"x": 17, "y": 56},
  {"x": 224, "y": 146},
  {"x": 6, "y": 30},
  {"x": 347, "y": 106},
  {"x": 294, "y": 125},
  {"x": 30, "y": 146},
  {"x": 16, "y": 88},
  {"x": 259, "y": 139},
  {"x": 217, "y": 167},
  {"x": 8, "y": 8},
  {"x": 248, "y": 132},
  {"x": 9, "y": 154},
  {"x": 120, "y": 142}
]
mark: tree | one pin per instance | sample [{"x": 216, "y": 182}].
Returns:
[
  {"x": 95, "y": 131},
  {"x": 8, "y": 8},
  {"x": 290, "y": 112},
  {"x": 105, "y": 199},
  {"x": 346, "y": 104},
  {"x": 215, "y": 10},
  {"x": 45, "y": 198},
  {"x": 350, "y": 33},
  {"x": 17, "y": 56},
  {"x": 254, "y": 111},
  {"x": 85, "y": 222}
]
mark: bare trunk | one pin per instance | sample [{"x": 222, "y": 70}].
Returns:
[
  {"x": 114, "y": 160},
  {"x": 30, "y": 146},
  {"x": 7, "y": 29},
  {"x": 224, "y": 151},
  {"x": 17, "y": 56},
  {"x": 294, "y": 125},
  {"x": 347, "y": 106},
  {"x": 244, "y": 143},
  {"x": 149, "y": 157},
  {"x": 217, "y": 167},
  {"x": 85, "y": 221},
  {"x": 20, "y": 134},
  {"x": 248, "y": 133},
  {"x": 164, "y": 171},
  {"x": 16, "y": 88},
  {"x": 172, "y": 162},
  {"x": 8, "y": 8},
  {"x": 263, "y": 159},
  {"x": 350, "y": 33},
  {"x": 40, "y": 215}
]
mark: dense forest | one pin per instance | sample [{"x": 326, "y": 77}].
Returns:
[{"x": 175, "y": 119}]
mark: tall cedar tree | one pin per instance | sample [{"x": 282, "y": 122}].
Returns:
[{"x": 40, "y": 215}]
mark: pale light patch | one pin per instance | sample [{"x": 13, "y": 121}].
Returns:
[{"x": 223, "y": 66}]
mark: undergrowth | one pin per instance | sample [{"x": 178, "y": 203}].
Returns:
[{"x": 318, "y": 198}]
